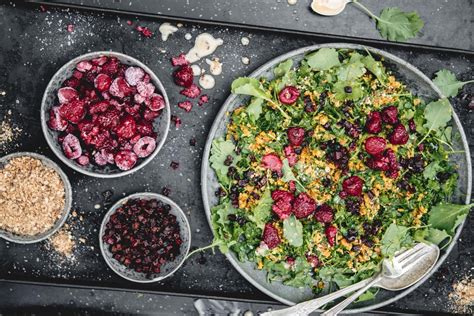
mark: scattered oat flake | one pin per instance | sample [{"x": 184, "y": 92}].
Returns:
[
  {"x": 63, "y": 243},
  {"x": 461, "y": 299}
]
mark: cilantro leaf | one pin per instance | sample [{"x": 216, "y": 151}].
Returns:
[
  {"x": 446, "y": 81},
  {"x": 375, "y": 67},
  {"x": 448, "y": 216},
  {"x": 437, "y": 114},
  {"x": 396, "y": 25},
  {"x": 394, "y": 238},
  {"x": 220, "y": 150},
  {"x": 341, "y": 93},
  {"x": 293, "y": 231},
  {"x": 323, "y": 59},
  {"x": 431, "y": 170},
  {"x": 254, "y": 109},
  {"x": 262, "y": 211},
  {"x": 283, "y": 68},
  {"x": 250, "y": 86}
]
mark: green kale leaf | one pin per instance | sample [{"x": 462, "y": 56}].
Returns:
[
  {"x": 219, "y": 221},
  {"x": 394, "y": 238},
  {"x": 432, "y": 170},
  {"x": 437, "y": 114},
  {"x": 283, "y": 68},
  {"x": 448, "y": 216},
  {"x": 431, "y": 235},
  {"x": 341, "y": 93},
  {"x": 375, "y": 67},
  {"x": 254, "y": 109},
  {"x": 288, "y": 176},
  {"x": 446, "y": 81},
  {"x": 250, "y": 86},
  {"x": 293, "y": 231},
  {"x": 323, "y": 59},
  {"x": 220, "y": 150},
  {"x": 262, "y": 211},
  {"x": 354, "y": 69}
]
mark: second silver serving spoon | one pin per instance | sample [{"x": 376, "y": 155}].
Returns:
[{"x": 404, "y": 270}]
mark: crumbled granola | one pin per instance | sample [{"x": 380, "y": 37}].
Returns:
[
  {"x": 32, "y": 196},
  {"x": 63, "y": 243},
  {"x": 462, "y": 297}
]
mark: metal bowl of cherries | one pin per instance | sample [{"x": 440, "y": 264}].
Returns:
[
  {"x": 145, "y": 237},
  {"x": 105, "y": 114}
]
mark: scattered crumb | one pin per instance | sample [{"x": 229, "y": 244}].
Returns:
[
  {"x": 461, "y": 299},
  {"x": 8, "y": 132},
  {"x": 245, "y": 60},
  {"x": 245, "y": 41},
  {"x": 188, "y": 36},
  {"x": 292, "y": 2},
  {"x": 63, "y": 243}
]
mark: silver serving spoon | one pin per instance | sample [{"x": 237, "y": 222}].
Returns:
[
  {"x": 329, "y": 7},
  {"x": 404, "y": 270}
]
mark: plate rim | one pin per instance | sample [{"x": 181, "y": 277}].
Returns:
[{"x": 272, "y": 63}]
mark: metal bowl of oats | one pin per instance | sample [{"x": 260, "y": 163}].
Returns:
[{"x": 35, "y": 197}]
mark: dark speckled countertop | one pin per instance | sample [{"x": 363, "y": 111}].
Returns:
[{"x": 34, "y": 44}]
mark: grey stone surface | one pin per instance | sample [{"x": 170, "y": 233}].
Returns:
[
  {"x": 448, "y": 23},
  {"x": 35, "y": 44}
]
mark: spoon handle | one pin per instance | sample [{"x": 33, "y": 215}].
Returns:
[
  {"x": 305, "y": 308},
  {"x": 339, "y": 307}
]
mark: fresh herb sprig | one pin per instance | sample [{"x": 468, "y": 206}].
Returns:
[{"x": 394, "y": 24}]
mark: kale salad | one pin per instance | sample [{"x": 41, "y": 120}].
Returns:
[{"x": 330, "y": 167}]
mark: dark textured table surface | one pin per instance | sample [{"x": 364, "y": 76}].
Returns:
[{"x": 35, "y": 44}]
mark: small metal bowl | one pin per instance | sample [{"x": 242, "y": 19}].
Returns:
[
  {"x": 161, "y": 123},
  {"x": 21, "y": 239},
  {"x": 168, "y": 268}
]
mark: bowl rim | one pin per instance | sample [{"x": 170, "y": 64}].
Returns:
[
  {"x": 113, "y": 209},
  {"x": 52, "y": 144},
  {"x": 67, "y": 198},
  {"x": 303, "y": 50}
]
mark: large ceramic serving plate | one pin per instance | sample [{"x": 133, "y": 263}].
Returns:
[{"x": 420, "y": 85}]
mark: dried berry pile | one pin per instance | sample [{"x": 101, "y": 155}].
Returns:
[
  {"x": 184, "y": 77},
  {"x": 105, "y": 113},
  {"x": 330, "y": 167},
  {"x": 143, "y": 235}
]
